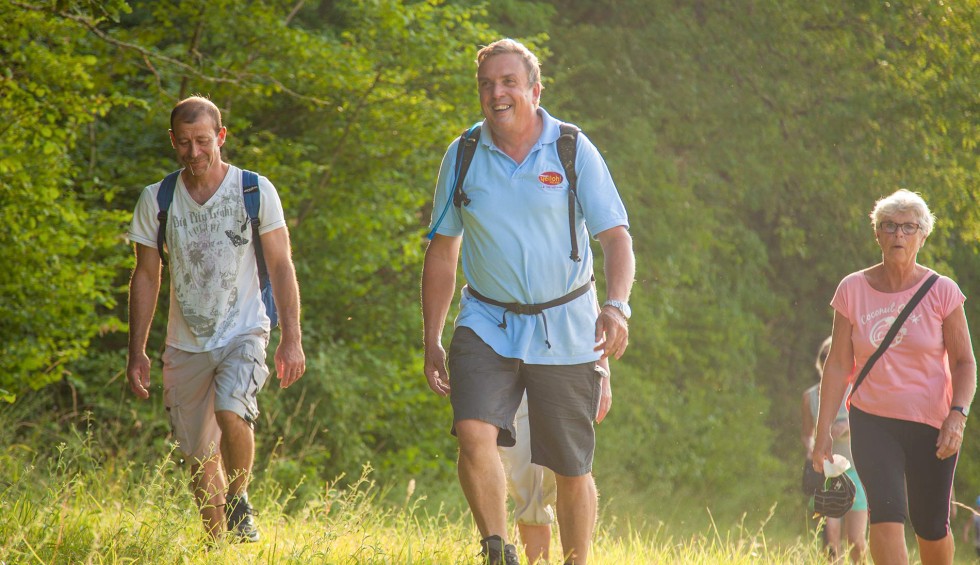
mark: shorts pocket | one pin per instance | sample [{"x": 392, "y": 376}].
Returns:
[{"x": 251, "y": 376}]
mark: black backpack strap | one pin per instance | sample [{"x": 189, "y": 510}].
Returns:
[
  {"x": 464, "y": 156},
  {"x": 465, "y": 149},
  {"x": 567, "y": 148},
  {"x": 893, "y": 331},
  {"x": 164, "y": 197}
]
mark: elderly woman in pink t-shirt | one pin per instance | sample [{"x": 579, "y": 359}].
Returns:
[{"x": 907, "y": 417}]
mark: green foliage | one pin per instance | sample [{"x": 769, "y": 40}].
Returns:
[
  {"x": 60, "y": 246},
  {"x": 749, "y": 140}
]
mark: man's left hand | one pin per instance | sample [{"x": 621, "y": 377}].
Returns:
[
  {"x": 611, "y": 332},
  {"x": 290, "y": 362}
]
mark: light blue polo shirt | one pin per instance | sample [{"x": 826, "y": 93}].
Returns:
[{"x": 516, "y": 244}]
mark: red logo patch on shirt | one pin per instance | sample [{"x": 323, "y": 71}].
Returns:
[{"x": 551, "y": 178}]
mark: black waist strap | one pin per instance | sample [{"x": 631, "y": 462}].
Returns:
[{"x": 532, "y": 309}]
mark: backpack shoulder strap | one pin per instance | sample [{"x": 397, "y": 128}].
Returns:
[
  {"x": 253, "y": 201},
  {"x": 465, "y": 149},
  {"x": 464, "y": 156},
  {"x": 165, "y": 196},
  {"x": 567, "y": 148},
  {"x": 250, "y": 192}
]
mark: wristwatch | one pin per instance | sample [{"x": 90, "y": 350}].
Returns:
[
  {"x": 623, "y": 307},
  {"x": 965, "y": 410}
]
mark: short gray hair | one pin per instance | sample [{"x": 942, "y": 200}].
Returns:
[
  {"x": 507, "y": 45},
  {"x": 901, "y": 201}
]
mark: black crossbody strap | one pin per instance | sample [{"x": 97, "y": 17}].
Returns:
[{"x": 893, "y": 331}]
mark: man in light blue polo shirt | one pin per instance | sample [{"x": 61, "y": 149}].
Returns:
[{"x": 529, "y": 316}]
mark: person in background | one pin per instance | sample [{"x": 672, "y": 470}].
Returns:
[
  {"x": 528, "y": 317},
  {"x": 854, "y": 524},
  {"x": 532, "y": 487},
  {"x": 218, "y": 328},
  {"x": 908, "y": 416}
]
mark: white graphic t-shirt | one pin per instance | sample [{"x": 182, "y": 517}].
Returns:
[{"x": 214, "y": 284}]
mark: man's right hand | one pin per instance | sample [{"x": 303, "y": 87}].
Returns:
[
  {"x": 435, "y": 369},
  {"x": 138, "y": 373}
]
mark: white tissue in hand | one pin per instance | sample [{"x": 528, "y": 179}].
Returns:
[{"x": 836, "y": 467}]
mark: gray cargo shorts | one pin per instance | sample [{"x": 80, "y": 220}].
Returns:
[
  {"x": 562, "y": 401},
  {"x": 196, "y": 385}
]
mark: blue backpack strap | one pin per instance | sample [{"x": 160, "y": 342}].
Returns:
[
  {"x": 250, "y": 192},
  {"x": 465, "y": 150},
  {"x": 567, "y": 149},
  {"x": 164, "y": 197},
  {"x": 253, "y": 200}
]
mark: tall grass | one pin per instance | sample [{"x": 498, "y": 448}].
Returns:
[{"x": 64, "y": 499}]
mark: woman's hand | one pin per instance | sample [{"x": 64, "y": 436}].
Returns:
[
  {"x": 951, "y": 434},
  {"x": 822, "y": 451}
]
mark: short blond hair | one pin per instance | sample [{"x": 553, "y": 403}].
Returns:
[
  {"x": 900, "y": 201},
  {"x": 506, "y": 46}
]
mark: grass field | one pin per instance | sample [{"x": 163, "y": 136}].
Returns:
[{"x": 76, "y": 506}]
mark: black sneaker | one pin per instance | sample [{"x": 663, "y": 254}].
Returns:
[
  {"x": 496, "y": 552},
  {"x": 241, "y": 526}
]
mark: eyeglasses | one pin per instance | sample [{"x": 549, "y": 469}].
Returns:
[{"x": 891, "y": 227}]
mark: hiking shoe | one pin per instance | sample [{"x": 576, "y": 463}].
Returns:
[
  {"x": 495, "y": 552},
  {"x": 241, "y": 526}
]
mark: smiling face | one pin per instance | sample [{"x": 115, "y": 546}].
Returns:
[
  {"x": 198, "y": 144},
  {"x": 899, "y": 248},
  {"x": 508, "y": 101}
]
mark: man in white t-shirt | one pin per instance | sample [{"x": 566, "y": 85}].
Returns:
[{"x": 218, "y": 327}]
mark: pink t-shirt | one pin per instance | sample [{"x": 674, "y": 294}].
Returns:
[{"x": 911, "y": 381}]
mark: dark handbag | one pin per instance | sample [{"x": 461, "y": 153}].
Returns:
[
  {"x": 812, "y": 480},
  {"x": 835, "y": 497}
]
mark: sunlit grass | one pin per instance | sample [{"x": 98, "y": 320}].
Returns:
[
  {"x": 75, "y": 508},
  {"x": 67, "y": 503}
]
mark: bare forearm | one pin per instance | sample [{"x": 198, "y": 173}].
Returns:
[
  {"x": 285, "y": 288},
  {"x": 833, "y": 385},
  {"x": 964, "y": 377},
  {"x": 438, "y": 289},
  {"x": 962, "y": 361},
  {"x": 619, "y": 264},
  {"x": 144, "y": 287},
  {"x": 285, "y": 291}
]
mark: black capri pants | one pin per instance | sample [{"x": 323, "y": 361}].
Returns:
[{"x": 897, "y": 463}]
